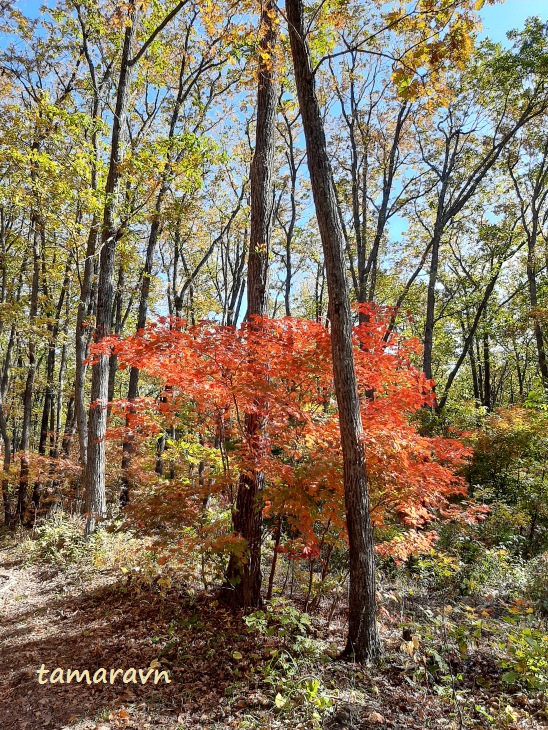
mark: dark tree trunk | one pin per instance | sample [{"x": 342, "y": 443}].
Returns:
[
  {"x": 431, "y": 303},
  {"x": 85, "y": 308},
  {"x": 117, "y": 325},
  {"x": 70, "y": 426},
  {"x": 6, "y": 468},
  {"x": 363, "y": 637},
  {"x": 262, "y": 188},
  {"x": 533, "y": 296},
  {"x": 487, "y": 398},
  {"x": 277, "y": 538},
  {"x": 474, "y": 370},
  {"x": 244, "y": 577}
]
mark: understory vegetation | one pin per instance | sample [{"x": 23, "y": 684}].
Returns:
[{"x": 463, "y": 628}]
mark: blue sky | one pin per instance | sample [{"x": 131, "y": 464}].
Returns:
[{"x": 498, "y": 19}]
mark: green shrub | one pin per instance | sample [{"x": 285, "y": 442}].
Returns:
[
  {"x": 526, "y": 662},
  {"x": 537, "y": 581},
  {"x": 496, "y": 571},
  {"x": 437, "y": 570},
  {"x": 280, "y": 619},
  {"x": 58, "y": 540}
]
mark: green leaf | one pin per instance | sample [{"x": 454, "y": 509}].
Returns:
[{"x": 509, "y": 677}]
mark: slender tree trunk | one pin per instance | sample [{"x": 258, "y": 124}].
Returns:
[
  {"x": 474, "y": 370},
  {"x": 116, "y": 321},
  {"x": 60, "y": 394},
  {"x": 488, "y": 401},
  {"x": 86, "y": 304},
  {"x": 6, "y": 468},
  {"x": 468, "y": 341},
  {"x": 29, "y": 384},
  {"x": 70, "y": 426},
  {"x": 370, "y": 271},
  {"x": 155, "y": 230},
  {"x": 277, "y": 538},
  {"x": 431, "y": 305},
  {"x": 533, "y": 296},
  {"x": 244, "y": 578},
  {"x": 95, "y": 495},
  {"x": 5, "y": 433},
  {"x": 85, "y": 307},
  {"x": 47, "y": 425},
  {"x": 363, "y": 637}
]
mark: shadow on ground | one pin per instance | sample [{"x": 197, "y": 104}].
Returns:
[{"x": 115, "y": 627}]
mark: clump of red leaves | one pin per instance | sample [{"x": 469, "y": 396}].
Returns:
[{"x": 281, "y": 370}]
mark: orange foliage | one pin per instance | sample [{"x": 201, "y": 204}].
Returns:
[{"x": 281, "y": 370}]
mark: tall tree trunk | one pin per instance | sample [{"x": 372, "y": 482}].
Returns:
[
  {"x": 144, "y": 294},
  {"x": 487, "y": 396},
  {"x": 4, "y": 431},
  {"x": 6, "y": 467},
  {"x": 117, "y": 325},
  {"x": 60, "y": 393},
  {"x": 86, "y": 304},
  {"x": 29, "y": 384},
  {"x": 431, "y": 303},
  {"x": 95, "y": 496},
  {"x": 85, "y": 307},
  {"x": 70, "y": 426},
  {"x": 244, "y": 577},
  {"x": 533, "y": 297},
  {"x": 363, "y": 637}
]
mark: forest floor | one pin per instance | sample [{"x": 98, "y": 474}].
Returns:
[{"x": 226, "y": 674}]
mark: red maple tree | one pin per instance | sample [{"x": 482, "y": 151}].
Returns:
[{"x": 281, "y": 370}]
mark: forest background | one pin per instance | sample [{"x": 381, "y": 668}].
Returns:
[{"x": 272, "y": 296}]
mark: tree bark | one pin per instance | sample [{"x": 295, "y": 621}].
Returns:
[
  {"x": 363, "y": 638},
  {"x": 244, "y": 577},
  {"x": 85, "y": 307},
  {"x": 4, "y": 431},
  {"x": 95, "y": 495},
  {"x": 29, "y": 384}
]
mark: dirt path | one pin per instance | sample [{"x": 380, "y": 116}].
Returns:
[
  {"x": 61, "y": 621},
  {"x": 75, "y": 622}
]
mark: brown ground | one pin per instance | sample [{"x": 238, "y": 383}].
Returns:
[{"x": 65, "y": 620}]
